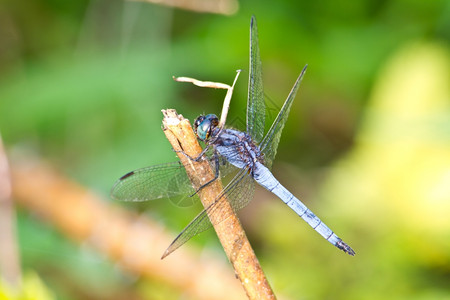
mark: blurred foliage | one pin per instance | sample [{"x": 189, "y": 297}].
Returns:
[
  {"x": 391, "y": 189},
  {"x": 82, "y": 84},
  {"x": 32, "y": 289}
]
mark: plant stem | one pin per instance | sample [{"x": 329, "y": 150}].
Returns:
[
  {"x": 9, "y": 255},
  {"x": 132, "y": 241},
  {"x": 179, "y": 132}
]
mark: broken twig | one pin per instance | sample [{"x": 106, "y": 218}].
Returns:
[{"x": 230, "y": 232}]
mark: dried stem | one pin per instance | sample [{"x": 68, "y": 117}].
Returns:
[
  {"x": 224, "y": 7},
  {"x": 230, "y": 232},
  {"x": 134, "y": 242},
  {"x": 215, "y": 85},
  {"x": 9, "y": 257}
]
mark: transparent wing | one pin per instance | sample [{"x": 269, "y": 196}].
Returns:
[
  {"x": 159, "y": 181},
  {"x": 239, "y": 192},
  {"x": 270, "y": 143},
  {"x": 256, "y": 112}
]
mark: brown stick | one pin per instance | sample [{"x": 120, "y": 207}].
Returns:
[
  {"x": 9, "y": 255},
  {"x": 134, "y": 242},
  {"x": 224, "y": 7},
  {"x": 230, "y": 232}
]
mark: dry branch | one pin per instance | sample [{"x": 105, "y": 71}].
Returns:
[
  {"x": 224, "y": 7},
  {"x": 230, "y": 232},
  {"x": 9, "y": 255},
  {"x": 134, "y": 242}
]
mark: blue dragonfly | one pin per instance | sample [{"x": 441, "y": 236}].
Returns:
[{"x": 250, "y": 154}]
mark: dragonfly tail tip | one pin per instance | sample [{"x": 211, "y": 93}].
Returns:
[{"x": 346, "y": 248}]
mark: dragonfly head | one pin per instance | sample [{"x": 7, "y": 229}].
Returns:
[{"x": 204, "y": 126}]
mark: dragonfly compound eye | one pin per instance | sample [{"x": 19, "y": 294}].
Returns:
[
  {"x": 198, "y": 121},
  {"x": 205, "y": 126}
]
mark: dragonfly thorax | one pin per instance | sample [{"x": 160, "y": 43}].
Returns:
[{"x": 205, "y": 125}]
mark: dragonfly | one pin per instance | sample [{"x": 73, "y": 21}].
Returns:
[{"x": 250, "y": 154}]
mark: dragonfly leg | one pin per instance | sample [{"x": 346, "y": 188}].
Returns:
[
  {"x": 196, "y": 159},
  {"x": 216, "y": 175}
]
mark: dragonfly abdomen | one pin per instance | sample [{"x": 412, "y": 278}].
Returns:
[{"x": 266, "y": 179}]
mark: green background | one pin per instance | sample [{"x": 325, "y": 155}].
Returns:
[{"x": 366, "y": 146}]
